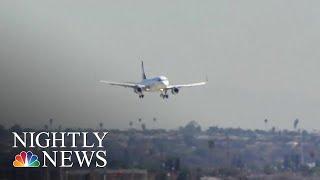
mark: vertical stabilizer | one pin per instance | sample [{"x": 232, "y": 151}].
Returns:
[{"x": 143, "y": 73}]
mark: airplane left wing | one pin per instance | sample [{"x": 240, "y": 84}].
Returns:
[
  {"x": 186, "y": 85},
  {"x": 131, "y": 85}
]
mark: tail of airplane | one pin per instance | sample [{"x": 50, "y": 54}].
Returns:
[{"x": 143, "y": 73}]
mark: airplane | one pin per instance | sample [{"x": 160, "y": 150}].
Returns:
[{"x": 156, "y": 84}]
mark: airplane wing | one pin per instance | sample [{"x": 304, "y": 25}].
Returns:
[
  {"x": 186, "y": 85},
  {"x": 131, "y": 85}
]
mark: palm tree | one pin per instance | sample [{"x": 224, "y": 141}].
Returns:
[
  {"x": 60, "y": 127},
  {"x": 131, "y": 124},
  {"x": 143, "y": 126},
  {"x": 155, "y": 121},
  {"x": 100, "y": 125},
  {"x": 51, "y": 122},
  {"x": 295, "y": 123},
  {"x": 273, "y": 129},
  {"x": 266, "y": 123}
]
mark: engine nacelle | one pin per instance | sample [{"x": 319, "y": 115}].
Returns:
[
  {"x": 175, "y": 90},
  {"x": 138, "y": 90}
]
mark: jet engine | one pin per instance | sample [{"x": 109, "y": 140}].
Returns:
[
  {"x": 138, "y": 90},
  {"x": 175, "y": 90}
]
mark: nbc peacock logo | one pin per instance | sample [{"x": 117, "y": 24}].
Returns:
[{"x": 26, "y": 159}]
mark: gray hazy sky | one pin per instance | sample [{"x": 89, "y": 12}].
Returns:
[{"x": 262, "y": 59}]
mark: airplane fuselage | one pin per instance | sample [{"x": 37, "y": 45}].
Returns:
[{"x": 155, "y": 84}]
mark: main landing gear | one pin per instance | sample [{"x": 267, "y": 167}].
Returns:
[
  {"x": 164, "y": 95},
  {"x": 141, "y": 96}
]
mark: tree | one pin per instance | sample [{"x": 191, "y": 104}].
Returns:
[
  {"x": 295, "y": 123},
  {"x": 273, "y": 129},
  {"x": 155, "y": 122},
  {"x": 3, "y": 130},
  {"x": 16, "y": 128},
  {"x": 100, "y": 125},
  {"x": 51, "y": 122},
  {"x": 266, "y": 123},
  {"x": 143, "y": 126},
  {"x": 191, "y": 128},
  {"x": 211, "y": 144}
]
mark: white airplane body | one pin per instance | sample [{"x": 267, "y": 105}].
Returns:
[{"x": 156, "y": 84}]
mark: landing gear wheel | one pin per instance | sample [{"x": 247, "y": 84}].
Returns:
[
  {"x": 164, "y": 96},
  {"x": 141, "y": 96}
]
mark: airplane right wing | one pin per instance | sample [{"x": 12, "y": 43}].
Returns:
[{"x": 130, "y": 85}]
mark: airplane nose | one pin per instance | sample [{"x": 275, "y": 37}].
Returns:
[{"x": 166, "y": 82}]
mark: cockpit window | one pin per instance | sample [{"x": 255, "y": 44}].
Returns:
[{"x": 161, "y": 78}]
